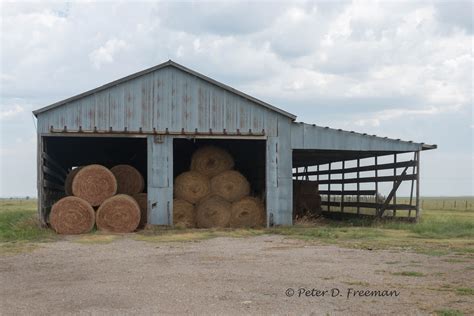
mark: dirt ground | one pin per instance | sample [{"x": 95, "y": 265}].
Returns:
[{"x": 251, "y": 275}]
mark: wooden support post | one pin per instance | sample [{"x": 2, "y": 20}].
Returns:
[
  {"x": 358, "y": 186},
  {"x": 376, "y": 185},
  {"x": 395, "y": 194},
  {"x": 317, "y": 177},
  {"x": 417, "y": 216},
  {"x": 329, "y": 189},
  {"x": 342, "y": 188},
  {"x": 306, "y": 172},
  {"x": 412, "y": 185}
]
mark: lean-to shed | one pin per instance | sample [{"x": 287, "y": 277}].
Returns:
[{"x": 155, "y": 118}]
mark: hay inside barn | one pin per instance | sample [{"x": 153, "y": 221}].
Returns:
[
  {"x": 129, "y": 179},
  {"x": 95, "y": 184},
  {"x": 191, "y": 186},
  {"x": 118, "y": 214},
  {"x": 184, "y": 214},
  {"x": 213, "y": 211},
  {"x": 72, "y": 215}
]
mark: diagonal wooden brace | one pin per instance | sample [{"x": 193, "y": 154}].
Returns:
[{"x": 396, "y": 185}]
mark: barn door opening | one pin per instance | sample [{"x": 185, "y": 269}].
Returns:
[
  {"x": 248, "y": 155},
  {"x": 61, "y": 154}
]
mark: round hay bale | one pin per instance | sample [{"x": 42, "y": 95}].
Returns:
[
  {"x": 183, "y": 214},
  {"x": 211, "y": 160},
  {"x": 142, "y": 201},
  {"x": 213, "y": 211},
  {"x": 118, "y": 214},
  {"x": 231, "y": 185},
  {"x": 247, "y": 212},
  {"x": 129, "y": 180},
  {"x": 72, "y": 215},
  {"x": 94, "y": 183},
  {"x": 68, "y": 182},
  {"x": 191, "y": 186}
]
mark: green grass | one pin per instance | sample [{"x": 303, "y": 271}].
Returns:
[
  {"x": 449, "y": 312},
  {"x": 439, "y": 233},
  {"x": 18, "y": 222},
  {"x": 409, "y": 273},
  {"x": 465, "y": 291}
]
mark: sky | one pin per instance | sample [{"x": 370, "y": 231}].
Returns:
[{"x": 402, "y": 69}]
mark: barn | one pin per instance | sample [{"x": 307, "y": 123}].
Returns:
[{"x": 156, "y": 118}]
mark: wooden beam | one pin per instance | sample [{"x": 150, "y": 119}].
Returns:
[
  {"x": 348, "y": 192},
  {"x": 401, "y": 164},
  {"x": 369, "y": 205},
  {"x": 54, "y": 163},
  {"x": 52, "y": 185},
  {"x": 53, "y": 174},
  {"x": 367, "y": 179}
]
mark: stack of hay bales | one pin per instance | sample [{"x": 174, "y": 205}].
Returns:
[
  {"x": 212, "y": 194},
  {"x": 306, "y": 198},
  {"x": 111, "y": 199}
]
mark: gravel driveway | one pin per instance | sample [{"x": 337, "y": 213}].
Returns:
[{"x": 254, "y": 275}]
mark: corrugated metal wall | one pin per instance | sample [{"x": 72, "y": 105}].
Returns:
[
  {"x": 173, "y": 99},
  {"x": 167, "y": 98}
]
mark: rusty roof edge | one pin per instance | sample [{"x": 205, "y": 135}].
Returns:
[
  {"x": 422, "y": 146},
  {"x": 157, "y": 67}
]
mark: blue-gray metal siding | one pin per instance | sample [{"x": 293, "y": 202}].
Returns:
[
  {"x": 307, "y": 136},
  {"x": 167, "y": 98}
]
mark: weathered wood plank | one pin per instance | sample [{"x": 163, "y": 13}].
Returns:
[
  {"x": 367, "y": 179},
  {"x": 401, "y": 164}
]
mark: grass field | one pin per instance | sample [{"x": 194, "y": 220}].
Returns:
[{"x": 440, "y": 231}]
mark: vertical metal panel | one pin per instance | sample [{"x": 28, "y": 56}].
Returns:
[
  {"x": 145, "y": 107},
  {"x": 271, "y": 179},
  {"x": 162, "y": 93},
  {"x": 203, "y": 108},
  {"x": 297, "y": 135},
  {"x": 257, "y": 119},
  {"x": 87, "y": 111},
  {"x": 102, "y": 108},
  {"x": 217, "y": 109},
  {"x": 160, "y": 180},
  {"x": 285, "y": 175},
  {"x": 132, "y": 104},
  {"x": 271, "y": 123},
  {"x": 230, "y": 121},
  {"x": 117, "y": 108},
  {"x": 175, "y": 105}
]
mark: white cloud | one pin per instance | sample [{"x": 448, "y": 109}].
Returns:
[
  {"x": 11, "y": 112},
  {"x": 105, "y": 54},
  {"x": 361, "y": 64}
]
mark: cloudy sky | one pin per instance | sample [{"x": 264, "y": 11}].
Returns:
[{"x": 397, "y": 69}]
